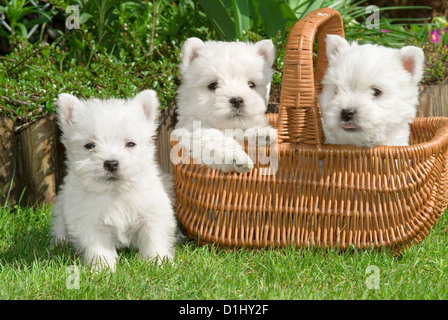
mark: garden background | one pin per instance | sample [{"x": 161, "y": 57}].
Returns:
[{"x": 123, "y": 47}]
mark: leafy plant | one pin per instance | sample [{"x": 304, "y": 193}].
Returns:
[
  {"x": 17, "y": 13},
  {"x": 436, "y": 65},
  {"x": 97, "y": 21},
  {"x": 436, "y": 50},
  {"x": 432, "y": 37},
  {"x": 34, "y": 75},
  {"x": 391, "y": 32},
  {"x": 178, "y": 20},
  {"x": 231, "y": 18},
  {"x": 272, "y": 17},
  {"x": 117, "y": 59},
  {"x": 126, "y": 46}
]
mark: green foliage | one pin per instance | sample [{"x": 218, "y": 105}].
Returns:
[
  {"x": 37, "y": 74},
  {"x": 122, "y": 47},
  {"x": 433, "y": 38},
  {"x": 113, "y": 54},
  {"x": 231, "y": 18},
  {"x": 228, "y": 24},
  {"x": 391, "y": 32},
  {"x": 119, "y": 28},
  {"x": 17, "y": 12},
  {"x": 436, "y": 64},
  {"x": 130, "y": 30},
  {"x": 275, "y": 16}
]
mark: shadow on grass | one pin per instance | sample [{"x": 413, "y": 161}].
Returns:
[{"x": 30, "y": 243}]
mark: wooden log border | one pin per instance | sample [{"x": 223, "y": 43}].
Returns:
[
  {"x": 8, "y": 170},
  {"x": 32, "y": 157},
  {"x": 433, "y": 101},
  {"x": 39, "y": 160}
]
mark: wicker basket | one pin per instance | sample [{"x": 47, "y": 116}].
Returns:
[{"x": 320, "y": 195}]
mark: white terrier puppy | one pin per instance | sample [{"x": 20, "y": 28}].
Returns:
[
  {"x": 113, "y": 195},
  {"x": 370, "y": 93},
  {"x": 223, "y": 97}
]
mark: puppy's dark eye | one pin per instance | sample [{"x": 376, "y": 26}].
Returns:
[
  {"x": 130, "y": 145},
  {"x": 213, "y": 86},
  {"x": 89, "y": 146},
  {"x": 251, "y": 85},
  {"x": 376, "y": 92}
]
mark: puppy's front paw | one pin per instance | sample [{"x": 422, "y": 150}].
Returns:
[
  {"x": 238, "y": 161},
  {"x": 266, "y": 136},
  {"x": 57, "y": 241},
  {"x": 242, "y": 163},
  {"x": 261, "y": 136},
  {"x": 100, "y": 260},
  {"x": 102, "y": 264}
]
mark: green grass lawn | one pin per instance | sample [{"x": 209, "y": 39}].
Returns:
[{"x": 30, "y": 270}]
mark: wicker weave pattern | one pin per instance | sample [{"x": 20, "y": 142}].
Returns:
[
  {"x": 299, "y": 119},
  {"x": 321, "y": 195}
]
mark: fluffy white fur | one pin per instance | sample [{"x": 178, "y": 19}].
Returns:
[
  {"x": 113, "y": 195},
  {"x": 225, "y": 86},
  {"x": 370, "y": 93}
]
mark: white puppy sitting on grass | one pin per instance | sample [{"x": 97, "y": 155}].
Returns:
[{"x": 113, "y": 195}]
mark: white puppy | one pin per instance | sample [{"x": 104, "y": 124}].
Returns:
[
  {"x": 113, "y": 195},
  {"x": 370, "y": 93},
  {"x": 222, "y": 100}
]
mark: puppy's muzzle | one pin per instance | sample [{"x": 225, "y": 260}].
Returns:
[
  {"x": 111, "y": 165},
  {"x": 347, "y": 114},
  {"x": 237, "y": 102},
  {"x": 348, "y": 120}
]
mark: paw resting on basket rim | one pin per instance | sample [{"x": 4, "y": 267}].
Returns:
[
  {"x": 261, "y": 136},
  {"x": 236, "y": 160}
]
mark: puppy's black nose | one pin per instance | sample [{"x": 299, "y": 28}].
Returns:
[
  {"x": 347, "y": 114},
  {"x": 111, "y": 165},
  {"x": 237, "y": 102}
]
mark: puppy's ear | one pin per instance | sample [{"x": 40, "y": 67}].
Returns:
[
  {"x": 66, "y": 103},
  {"x": 266, "y": 50},
  {"x": 413, "y": 61},
  {"x": 149, "y": 102},
  {"x": 335, "y": 44},
  {"x": 190, "y": 50}
]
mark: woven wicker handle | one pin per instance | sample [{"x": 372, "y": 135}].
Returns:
[{"x": 299, "y": 117}]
